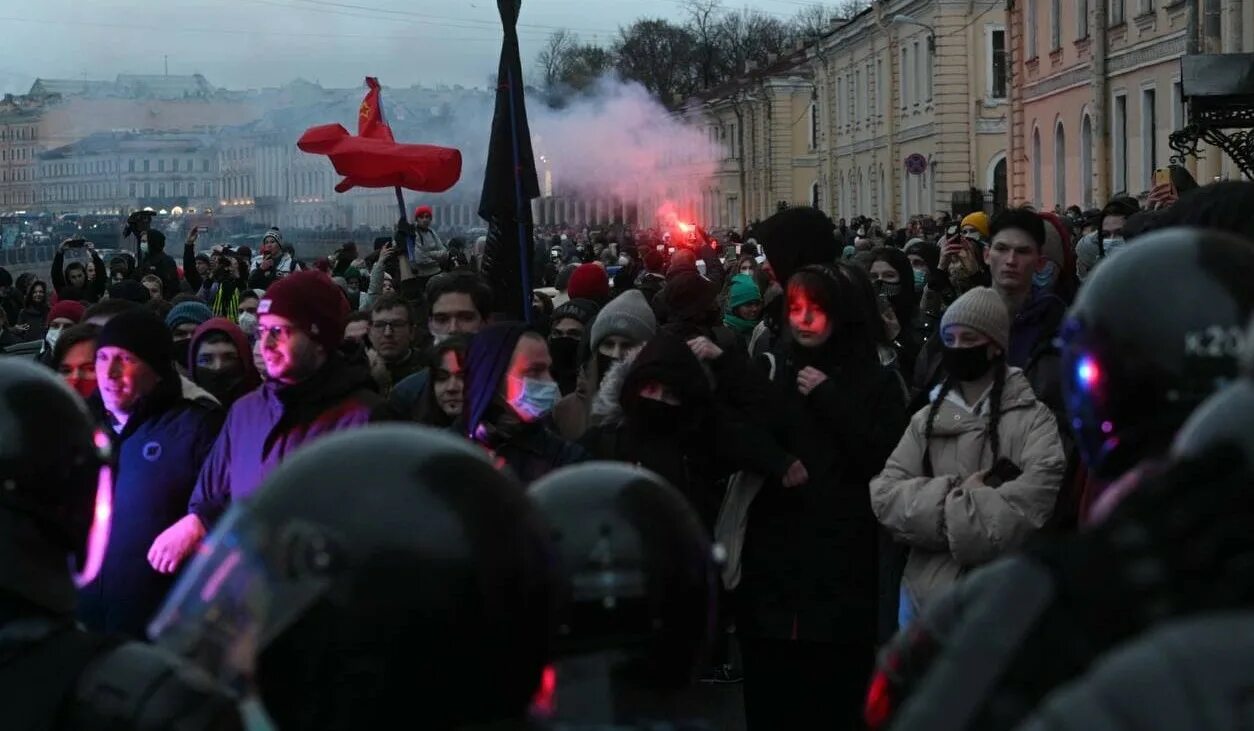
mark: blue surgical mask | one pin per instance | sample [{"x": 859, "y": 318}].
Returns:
[
  {"x": 1044, "y": 277},
  {"x": 920, "y": 279},
  {"x": 1114, "y": 244},
  {"x": 536, "y": 398}
]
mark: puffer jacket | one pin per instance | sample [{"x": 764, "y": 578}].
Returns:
[{"x": 949, "y": 529}]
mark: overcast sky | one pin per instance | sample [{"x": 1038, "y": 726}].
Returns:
[{"x": 253, "y": 43}]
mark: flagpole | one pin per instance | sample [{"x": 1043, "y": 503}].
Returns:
[{"x": 524, "y": 260}]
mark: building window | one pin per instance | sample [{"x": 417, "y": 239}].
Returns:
[
  {"x": 814, "y": 123},
  {"x": 814, "y": 195},
  {"x": 161, "y": 190},
  {"x": 161, "y": 166},
  {"x": 1119, "y": 133},
  {"x": 1055, "y": 25},
  {"x": 146, "y": 164},
  {"x": 1086, "y": 160},
  {"x": 178, "y": 188},
  {"x": 905, "y": 76},
  {"x": 132, "y": 187},
  {"x": 997, "y": 64},
  {"x": 1029, "y": 28},
  {"x": 920, "y": 67},
  {"x": 1037, "y": 196},
  {"x": 1116, "y": 12},
  {"x": 1146, "y": 6},
  {"x": 147, "y": 190},
  {"x": 1149, "y": 137},
  {"x": 191, "y": 190},
  {"x": 130, "y": 165},
  {"x": 859, "y": 96},
  {"x": 880, "y": 88},
  {"x": 204, "y": 165},
  {"x": 1060, "y": 166},
  {"x": 1081, "y": 19}
]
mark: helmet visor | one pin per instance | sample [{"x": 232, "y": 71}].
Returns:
[{"x": 249, "y": 582}]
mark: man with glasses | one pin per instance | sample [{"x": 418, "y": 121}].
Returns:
[
  {"x": 392, "y": 334},
  {"x": 311, "y": 391}
]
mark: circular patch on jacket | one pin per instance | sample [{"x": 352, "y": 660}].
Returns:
[{"x": 152, "y": 451}]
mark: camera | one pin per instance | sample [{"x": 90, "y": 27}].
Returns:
[{"x": 138, "y": 222}]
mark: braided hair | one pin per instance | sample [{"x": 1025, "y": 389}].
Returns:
[{"x": 994, "y": 410}]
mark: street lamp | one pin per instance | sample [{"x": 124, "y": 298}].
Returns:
[{"x": 902, "y": 19}]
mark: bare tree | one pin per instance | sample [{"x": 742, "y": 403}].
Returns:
[
  {"x": 751, "y": 36},
  {"x": 812, "y": 22},
  {"x": 659, "y": 55},
  {"x": 703, "y": 24},
  {"x": 553, "y": 57},
  {"x": 846, "y": 9}
]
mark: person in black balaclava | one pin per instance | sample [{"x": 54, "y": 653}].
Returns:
[
  {"x": 892, "y": 276},
  {"x": 220, "y": 361},
  {"x": 570, "y": 324},
  {"x": 159, "y": 264}
]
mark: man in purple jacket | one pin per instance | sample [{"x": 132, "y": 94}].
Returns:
[{"x": 311, "y": 391}]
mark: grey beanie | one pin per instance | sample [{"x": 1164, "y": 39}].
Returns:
[
  {"x": 628, "y": 315},
  {"x": 981, "y": 309}
]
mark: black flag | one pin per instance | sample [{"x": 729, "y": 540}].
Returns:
[{"x": 510, "y": 182}]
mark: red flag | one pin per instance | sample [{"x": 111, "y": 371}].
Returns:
[
  {"x": 375, "y": 163},
  {"x": 370, "y": 122}
]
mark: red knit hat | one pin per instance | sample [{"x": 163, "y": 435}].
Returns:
[
  {"x": 69, "y": 309},
  {"x": 312, "y": 302},
  {"x": 422, "y": 211},
  {"x": 589, "y": 282}
]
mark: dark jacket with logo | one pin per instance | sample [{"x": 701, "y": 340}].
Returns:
[
  {"x": 158, "y": 456},
  {"x": 268, "y": 424}
]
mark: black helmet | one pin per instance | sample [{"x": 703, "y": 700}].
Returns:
[
  {"x": 1152, "y": 334},
  {"x": 424, "y": 589},
  {"x": 638, "y": 575},
  {"x": 1225, "y": 418},
  {"x": 51, "y": 463}
]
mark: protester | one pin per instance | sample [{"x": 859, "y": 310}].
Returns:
[
  {"x": 744, "y": 307},
  {"x": 160, "y": 439},
  {"x": 807, "y": 623},
  {"x": 62, "y": 315},
  {"x": 443, "y": 399},
  {"x": 220, "y": 361},
  {"x": 74, "y": 357},
  {"x": 567, "y": 333},
  {"x": 460, "y": 304},
  {"x": 978, "y": 471},
  {"x": 892, "y": 276},
  {"x": 153, "y": 284},
  {"x": 1109, "y": 237},
  {"x": 975, "y": 226},
  {"x": 158, "y": 264},
  {"x": 509, "y": 396},
  {"x": 427, "y": 253},
  {"x": 791, "y": 239},
  {"x": 310, "y": 392},
  {"x": 273, "y": 263},
  {"x": 589, "y": 282},
  {"x": 73, "y": 277},
  {"x": 106, "y": 309},
  {"x": 624, "y": 324},
  {"x": 183, "y": 320},
  {"x": 8, "y": 303},
  {"x": 394, "y": 337},
  {"x": 31, "y": 321},
  {"x": 130, "y": 290}
]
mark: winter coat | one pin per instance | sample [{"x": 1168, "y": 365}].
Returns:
[
  {"x": 428, "y": 253},
  {"x": 161, "y": 265},
  {"x": 530, "y": 451},
  {"x": 950, "y": 530},
  {"x": 809, "y": 563},
  {"x": 158, "y": 456},
  {"x": 93, "y": 290},
  {"x": 266, "y": 425},
  {"x": 685, "y": 451},
  {"x": 284, "y": 265}
]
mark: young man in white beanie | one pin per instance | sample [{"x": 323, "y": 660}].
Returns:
[{"x": 979, "y": 469}]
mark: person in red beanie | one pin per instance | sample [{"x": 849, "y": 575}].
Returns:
[
  {"x": 589, "y": 282},
  {"x": 62, "y": 315},
  {"x": 311, "y": 391}
]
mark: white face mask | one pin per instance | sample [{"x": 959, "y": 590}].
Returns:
[
  {"x": 51, "y": 336},
  {"x": 248, "y": 323}
]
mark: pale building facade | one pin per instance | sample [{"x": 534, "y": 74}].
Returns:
[
  {"x": 913, "y": 109},
  {"x": 1097, "y": 93}
]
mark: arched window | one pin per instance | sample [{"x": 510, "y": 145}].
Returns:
[
  {"x": 1086, "y": 160},
  {"x": 1037, "y": 196},
  {"x": 814, "y": 195},
  {"x": 1060, "y": 165}
]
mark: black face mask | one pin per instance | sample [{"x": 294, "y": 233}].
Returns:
[
  {"x": 604, "y": 364},
  {"x": 966, "y": 364},
  {"x": 565, "y": 353},
  {"x": 657, "y": 418},
  {"x": 223, "y": 384},
  {"x": 888, "y": 289},
  {"x": 181, "y": 349}
]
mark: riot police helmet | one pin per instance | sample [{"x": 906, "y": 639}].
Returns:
[
  {"x": 1152, "y": 334},
  {"x": 55, "y": 488},
  {"x": 344, "y": 601}
]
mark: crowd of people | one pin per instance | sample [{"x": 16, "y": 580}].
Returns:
[{"x": 860, "y": 417}]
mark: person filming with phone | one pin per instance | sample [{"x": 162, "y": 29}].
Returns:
[
  {"x": 980, "y": 467},
  {"x": 152, "y": 257}
]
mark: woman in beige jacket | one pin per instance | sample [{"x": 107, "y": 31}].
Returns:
[{"x": 978, "y": 471}]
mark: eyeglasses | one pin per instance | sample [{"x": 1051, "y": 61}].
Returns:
[
  {"x": 280, "y": 333},
  {"x": 388, "y": 325}
]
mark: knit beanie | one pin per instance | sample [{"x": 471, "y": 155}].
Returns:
[
  {"x": 196, "y": 313},
  {"x": 743, "y": 291},
  {"x": 590, "y": 282},
  {"x": 687, "y": 297},
  {"x": 978, "y": 220},
  {"x": 131, "y": 290},
  {"x": 312, "y": 302},
  {"x": 585, "y": 311},
  {"x": 980, "y": 309},
  {"x": 69, "y": 309},
  {"x": 142, "y": 333},
  {"x": 628, "y": 315}
]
